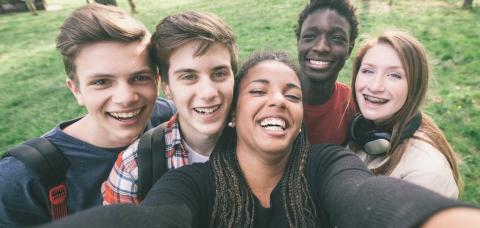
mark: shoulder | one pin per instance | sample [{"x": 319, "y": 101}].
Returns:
[
  {"x": 425, "y": 165},
  {"x": 425, "y": 156},
  {"x": 342, "y": 88},
  {"x": 12, "y": 170},
  {"x": 164, "y": 109},
  {"x": 19, "y": 195}
]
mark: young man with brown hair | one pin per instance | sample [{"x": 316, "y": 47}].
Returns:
[
  {"x": 196, "y": 55},
  {"x": 106, "y": 57}
]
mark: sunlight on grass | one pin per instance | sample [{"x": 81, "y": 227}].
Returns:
[{"x": 33, "y": 96}]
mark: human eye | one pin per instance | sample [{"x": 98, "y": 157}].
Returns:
[
  {"x": 294, "y": 97},
  {"x": 100, "y": 82},
  {"x": 367, "y": 71},
  {"x": 220, "y": 75},
  {"x": 308, "y": 36},
  {"x": 257, "y": 92},
  {"x": 188, "y": 77},
  {"x": 395, "y": 75},
  {"x": 142, "y": 77},
  {"x": 339, "y": 38}
]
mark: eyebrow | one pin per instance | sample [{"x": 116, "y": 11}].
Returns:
[
  {"x": 265, "y": 81},
  {"x": 390, "y": 67}
]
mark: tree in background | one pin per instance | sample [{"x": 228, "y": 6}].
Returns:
[
  {"x": 467, "y": 4},
  {"x": 133, "y": 7},
  {"x": 107, "y": 2}
]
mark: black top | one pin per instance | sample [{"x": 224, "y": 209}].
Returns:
[{"x": 345, "y": 193}]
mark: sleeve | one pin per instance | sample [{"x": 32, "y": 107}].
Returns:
[
  {"x": 191, "y": 186},
  {"x": 353, "y": 197},
  {"x": 122, "y": 183},
  {"x": 23, "y": 199},
  {"x": 126, "y": 216}
]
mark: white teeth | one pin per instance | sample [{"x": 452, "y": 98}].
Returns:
[
  {"x": 125, "y": 115},
  {"x": 375, "y": 100},
  {"x": 207, "y": 110},
  {"x": 319, "y": 63},
  {"x": 274, "y": 124}
]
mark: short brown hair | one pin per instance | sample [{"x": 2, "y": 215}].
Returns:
[
  {"x": 95, "y": 23},
  {"x": 177, "y": 30}
]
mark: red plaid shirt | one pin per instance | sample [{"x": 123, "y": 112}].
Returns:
[{"x": 122, "y": 183}]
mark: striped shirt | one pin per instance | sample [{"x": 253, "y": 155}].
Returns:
[{"x": 122, "y": 183}]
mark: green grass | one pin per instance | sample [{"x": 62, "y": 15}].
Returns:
[{"x": 33, "y": 97}]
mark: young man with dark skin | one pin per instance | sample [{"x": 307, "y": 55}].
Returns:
[{"x": 326, "y": 34}]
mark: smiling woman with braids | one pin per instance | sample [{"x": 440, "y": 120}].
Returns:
[{"x": 263, "y": 173}]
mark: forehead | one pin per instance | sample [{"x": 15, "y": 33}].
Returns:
[
  {"x": 326, "y": 19},
  {"x": 184, "y": 57},
  {"x": 382, "y": 54},
  {"x": 112, "y": 58},
  {"x": 272, "y": 71}
]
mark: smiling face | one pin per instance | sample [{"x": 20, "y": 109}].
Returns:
[
  {"x": 117, "y": 87},
  {"x": 269, "y": 111},
  {"x": 381, "y": 85},
  {"x": 323, "y": 45},
  {"x": 201, "y": 88}
]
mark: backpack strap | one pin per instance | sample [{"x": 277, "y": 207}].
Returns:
[
  {"x": 151, "y": 161},
  {"x": 41, "y": 157}
]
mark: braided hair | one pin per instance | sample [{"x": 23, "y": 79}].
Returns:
[{"x": 234, "y": 203}]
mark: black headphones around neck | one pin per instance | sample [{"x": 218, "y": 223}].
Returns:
[{"x": 373, "y": 142}]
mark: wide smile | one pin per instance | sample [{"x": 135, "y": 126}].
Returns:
[
  {"x": 207, "y": 110},
  {"x": 375, "y": 100},
  {"x": 276, "y": 124},
  {"x": 125, "y": 116},
  {"x": 318, "y": 64}
]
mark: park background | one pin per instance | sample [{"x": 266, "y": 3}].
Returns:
[{"x": 34, "y": 98}]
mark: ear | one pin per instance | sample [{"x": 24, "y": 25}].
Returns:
[
  {"x": 166, "y": 90},
  {"x": 75, "y": 91}
]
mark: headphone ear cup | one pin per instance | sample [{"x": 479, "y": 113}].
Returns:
[
  {"x": 363, "y": 133},
  {"x": 378, "y": 144}
]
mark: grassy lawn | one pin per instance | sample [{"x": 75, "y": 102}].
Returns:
[{"x": 33, "y": 96}]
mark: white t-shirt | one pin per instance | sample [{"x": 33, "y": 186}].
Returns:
[
  {"x": 421, "y": 164},
  {"x": 194, "y": 156}
]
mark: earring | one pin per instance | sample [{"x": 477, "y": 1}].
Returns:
[
  {"x": 300, "y": 131},
  {"x": 231, "y": 124}
]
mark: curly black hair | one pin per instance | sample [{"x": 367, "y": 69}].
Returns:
[{"x": 342, "y": 7}]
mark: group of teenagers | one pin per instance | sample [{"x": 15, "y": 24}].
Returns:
[{"x": 264, "y": 145}]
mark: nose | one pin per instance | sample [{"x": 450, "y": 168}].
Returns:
[
  {"x": 125, "y": 94},
  {"x": 208, "y": 89},
  {"x": 376, "y": 84},
  {"x": 322, "y": 45},
  {"x": 277, "y": 99}
]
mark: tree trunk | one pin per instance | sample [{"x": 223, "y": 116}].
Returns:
[
  {"x": 467, "y": 4},
  {"x": 107, "y": 2}
]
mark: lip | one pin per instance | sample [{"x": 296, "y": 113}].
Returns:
[
  {"x": 274, "y": 133},
  {"x": 208, "y": 113},
  {"x": 127, "y": 122},
  {"x": 375, "y": 100},
  {"x": 319, "y": 64}
]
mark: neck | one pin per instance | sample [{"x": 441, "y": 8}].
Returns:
[
  {"x": 87, "y": 130},
  {"x": 317, "y": 93},
  {"x": 262, "y": 173},
  {"x": 200, "y": 143}
]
